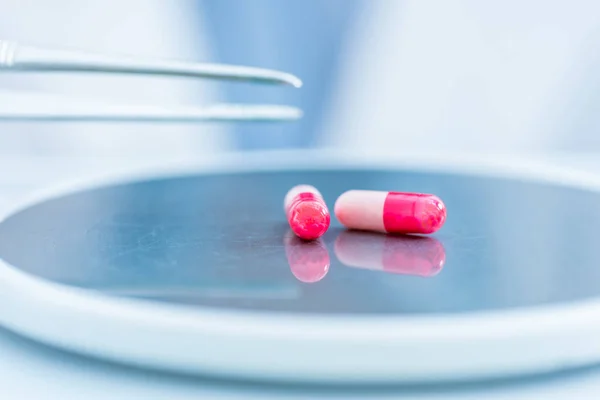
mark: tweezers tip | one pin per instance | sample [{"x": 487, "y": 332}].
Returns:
[
  {"x": 296, "y": 82},
  {"x": 292, "y": 80}
]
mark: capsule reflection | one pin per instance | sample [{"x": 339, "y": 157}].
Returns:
[
  {"x": 309, "y": 261},
  {"x": 409, "y": 255}
]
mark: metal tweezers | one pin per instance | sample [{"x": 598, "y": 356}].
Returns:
[{"x": 17, "y": 106}]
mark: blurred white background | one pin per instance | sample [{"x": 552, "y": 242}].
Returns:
[
  {"x": 429, "y": 75},
  {"x": 470, "y": 75}
]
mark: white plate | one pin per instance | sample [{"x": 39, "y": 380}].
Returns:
[{"x": 315, "y": 348}]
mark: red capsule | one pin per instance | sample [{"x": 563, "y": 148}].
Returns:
[
  {"x": 406, "y": 255},
  {"x": 392, "y": 212},
  {"x": 306, "y": 212}
]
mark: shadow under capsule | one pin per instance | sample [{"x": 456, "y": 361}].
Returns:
[
  {"x": 407, "y": 255},
  {"x": 309, "y": 260}
]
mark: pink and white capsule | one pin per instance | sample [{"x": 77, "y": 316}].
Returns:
[{"x": 391, "y": 212}]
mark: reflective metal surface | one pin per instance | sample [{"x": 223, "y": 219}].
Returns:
[{"x": 223, "y": 241}]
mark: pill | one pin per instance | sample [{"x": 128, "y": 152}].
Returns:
[
  {"x": 306, "y": 212},
  {"x": 309, "y": 260},
  {"x": 392, "y": 212},
  {"x": 406, "y": 255}
]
